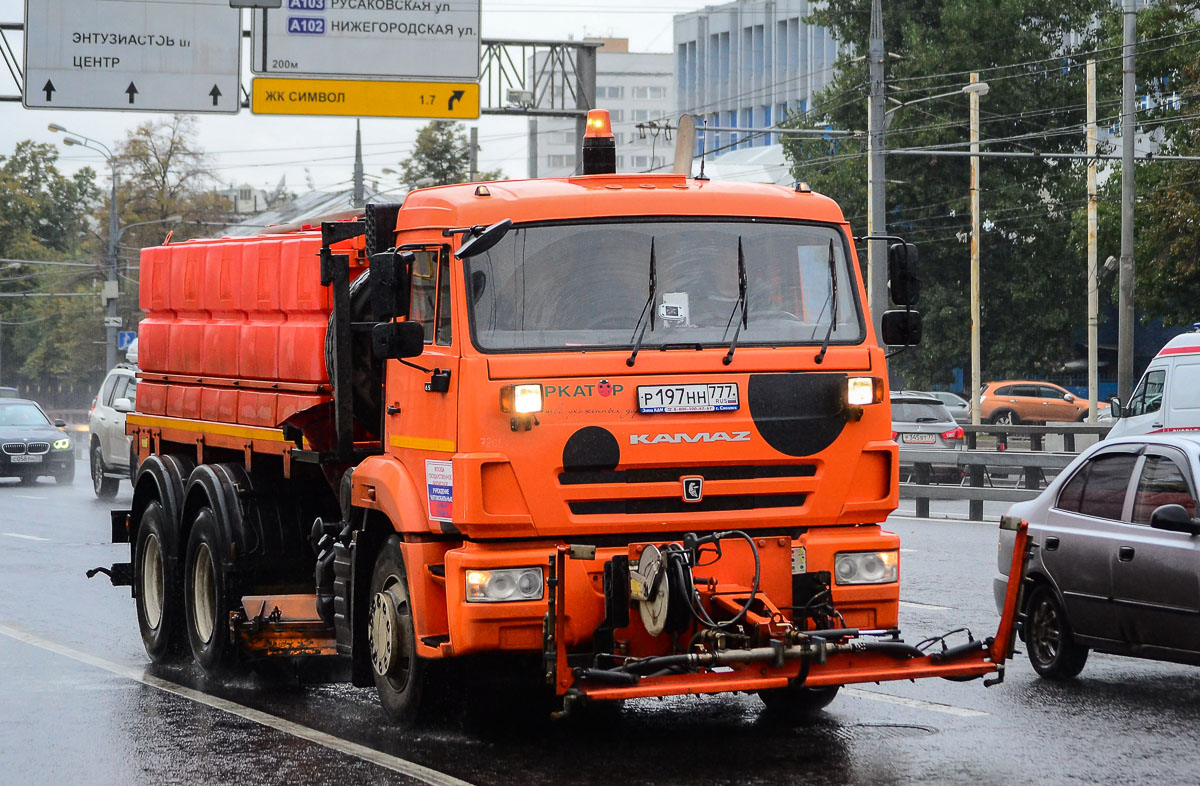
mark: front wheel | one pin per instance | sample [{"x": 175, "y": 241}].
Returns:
[
  {"x": 1052, "y": 652},
  {"x": 401, "y": 676},
  {"x": 798, "y": 702},
  {"x": 206, "y": 595},
  {"x": 104, "y": 486}
]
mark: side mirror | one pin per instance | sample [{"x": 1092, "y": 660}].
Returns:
[
  {"x": 60, "y": 423},
  {"x": 1114, "y": 407},
  {"x": 390, "y": 273},
  {"x": 1068, "y": 397},
  {"x": 902, "y": 274},
  {"x": 396, "y": 340},
  {"x": 1174, "y": 518},
  {"x": 123, "y": 405},
  {"x": 485, "y": 239},
  {"x": 901, "y": 328}
]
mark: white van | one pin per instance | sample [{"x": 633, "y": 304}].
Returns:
[{"x": 1168, "y": 397}]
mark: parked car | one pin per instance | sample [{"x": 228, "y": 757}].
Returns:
[
  {"x": 110, "y": 449},
  {"x": 1168, "y": 396},
  {"x": 1021, "y": 401},
  {"x": 1115, "y": 566},
  {"x": 31, "y": 446},
  {"x": 959, "y": 407}
]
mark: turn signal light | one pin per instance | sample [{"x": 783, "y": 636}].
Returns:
[{"x": 861, "y": 391}]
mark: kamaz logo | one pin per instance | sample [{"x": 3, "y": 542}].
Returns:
[{"x": 703, "y": 436}]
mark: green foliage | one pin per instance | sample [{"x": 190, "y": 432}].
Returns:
[
  {"x": 441, "y": 156},
  {"x": 1033, "y": 276},
  {"x": 44, "y": 216}
]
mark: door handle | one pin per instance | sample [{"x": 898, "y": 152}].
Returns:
[
  {"x": 1125, "y": 554},
  {"x": 1156, "y": 425},
  {"x": 1051, "y": 543}
]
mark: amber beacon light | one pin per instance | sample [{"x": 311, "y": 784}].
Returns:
[{"x": 599, "y": 147}]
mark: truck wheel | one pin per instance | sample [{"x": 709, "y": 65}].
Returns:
[
  {"x": 206, "y": 596},
  {"x": 400, "y": 674},
  {"x": 105, "y": 487},
  {"x": 1052, "y": 652},
  {"x": 797, "y": 702},
  {"x": 158, "y": 600}
]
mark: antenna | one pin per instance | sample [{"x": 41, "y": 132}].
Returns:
[{"x": 703, "y": 140}]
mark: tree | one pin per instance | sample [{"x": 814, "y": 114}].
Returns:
[
  {"x": 1032, "y": 275},
  {"x": 44, "y": 216},
  {"x": 441, "y": 156}
]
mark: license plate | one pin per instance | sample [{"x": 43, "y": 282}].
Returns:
[
  {"x": 721, "y": 397},
  {"x": 919, "y": 439},
  {"x": 26, "y": 459}
]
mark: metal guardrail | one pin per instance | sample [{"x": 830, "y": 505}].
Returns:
[{"x": 976, "y": 465}]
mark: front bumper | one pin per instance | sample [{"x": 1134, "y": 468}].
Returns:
[{"x": 52, "y": 463}]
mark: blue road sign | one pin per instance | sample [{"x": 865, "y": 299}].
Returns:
[{"x": 125, "y": 338}]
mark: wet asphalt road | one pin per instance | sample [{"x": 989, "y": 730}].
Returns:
[{"x": 79, "y": 703}]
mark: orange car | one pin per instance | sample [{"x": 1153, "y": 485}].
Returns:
[{"x": 1021, "y": 401}]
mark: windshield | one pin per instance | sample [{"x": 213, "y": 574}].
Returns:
[
  {"x": 22, "y": 415},
  {"x": 919, "y": 412},
  {"x": 585, "y": 285}
]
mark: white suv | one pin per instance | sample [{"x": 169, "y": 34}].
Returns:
[{"x": 110, "y": 449}]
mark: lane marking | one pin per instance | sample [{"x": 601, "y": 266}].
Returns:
[
  {"x": 908, "y": 551},
  {"x": 26, "y": 537},
  {"x": 387, "y": 761},
  {"x": 948, "y": 709},
  {"x": 27, "y": 496},
  {"x": 915, "y": 605}
]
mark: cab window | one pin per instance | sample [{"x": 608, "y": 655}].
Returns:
[
  {"x": 443, "y": 303},
  {"x": 1148, "y": 396},
  {"x": 423, "y": 306},
  {"x": 1162, "y": 482}
]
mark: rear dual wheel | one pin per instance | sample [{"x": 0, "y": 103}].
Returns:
[
  {"x": 158, "y": 599},
  {"x": 206, "y": 597}
]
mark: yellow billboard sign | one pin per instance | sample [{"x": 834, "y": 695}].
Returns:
[{"x": 364, "y": 98}]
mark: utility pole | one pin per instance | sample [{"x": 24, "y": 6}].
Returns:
[
  {"x": 876, "y": 183},
  {"x": 359, "y": 197},
  {"x": 1093, "y": 274},
  {"x": 585, "y": 98},
  {"x": 976, "y": 370},
  {"x": 112, "y": 287},
  {"x": 1128, "y": 137},
  {"x": 533, "y": 147},
  {"x": 473, "y": 155}
]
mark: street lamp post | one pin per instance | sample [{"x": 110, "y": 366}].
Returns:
[{"x": 112, "y": 286}]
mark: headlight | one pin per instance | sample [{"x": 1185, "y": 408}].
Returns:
[
  {"x": 508, "y": 584},
  {"x": 861, "y": 391},
  {"x": 521, "y": 399},
  {"x": 867, "y": 567},
  {"x": 62, "y": 444}
]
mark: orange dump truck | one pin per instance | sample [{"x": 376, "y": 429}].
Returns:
[{"x": 632, "y": 430}]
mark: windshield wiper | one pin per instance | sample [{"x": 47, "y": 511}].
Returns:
[
  {"x": 648, "y": 308},
  {"x": 741, "y": 303},
  {"x": 820, "y": 358}
]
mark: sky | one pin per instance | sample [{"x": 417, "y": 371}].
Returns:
[{"x": 259, "y": 150}]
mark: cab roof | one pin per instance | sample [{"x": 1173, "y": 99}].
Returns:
[{"x": 592, "y": 196}]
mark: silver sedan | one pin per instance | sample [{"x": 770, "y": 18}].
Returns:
[{"x": 1116, "y": 556}]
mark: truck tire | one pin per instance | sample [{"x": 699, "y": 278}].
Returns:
[
  {"x": 104, "y": 486},
  {"x": 401, "y": 676},
  {"x": 206, "y": 595},
  {"x": 157, "y": 597},
  {"x": 798, "y": 702}
]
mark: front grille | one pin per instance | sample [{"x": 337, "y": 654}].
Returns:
[
  {"x": 14, "y": 448},
  {"x": 580, "y": 477},
  {"x": 39, "y": 447},
  {"x": 656, "y": 505}
]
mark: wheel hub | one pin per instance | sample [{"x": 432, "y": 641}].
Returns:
[
  {"x": 152, "y": 582},
  {"x": 204, "y": 594},
  {"x": 390, "y": 648}
]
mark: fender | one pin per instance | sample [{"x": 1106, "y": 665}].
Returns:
[
  {"x": 384, "y": 484},
  {"x": 210, "y": 485},
  {"x": 161, "y": 478}
]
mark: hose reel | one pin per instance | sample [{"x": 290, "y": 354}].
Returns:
[{"x": 659, "y": 583}]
